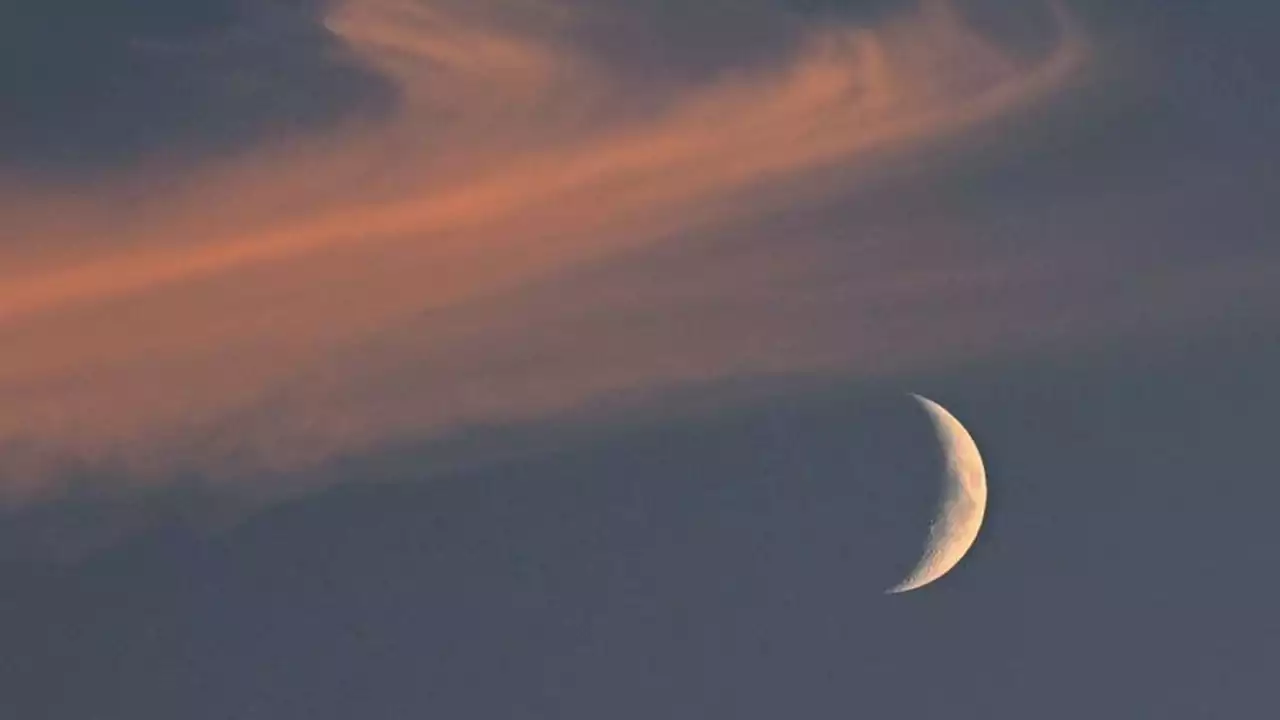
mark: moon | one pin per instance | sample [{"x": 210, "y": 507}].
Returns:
[{"x": 963, "y": 502}]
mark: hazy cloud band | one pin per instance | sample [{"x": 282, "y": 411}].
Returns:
[{"x": 138, "y": 315}]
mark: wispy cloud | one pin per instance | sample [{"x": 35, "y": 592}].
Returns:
[{"x": 146, "y": 315}]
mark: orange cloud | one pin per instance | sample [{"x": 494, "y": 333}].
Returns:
[{"x": 139, "y": 319}]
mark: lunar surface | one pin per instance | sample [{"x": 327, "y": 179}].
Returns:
[{"x": 963, "y": 502}]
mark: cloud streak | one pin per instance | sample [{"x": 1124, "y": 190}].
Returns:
[{"x": 258, "y": 306}]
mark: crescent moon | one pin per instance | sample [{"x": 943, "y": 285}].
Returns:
[{"x": 963, "y": 502}]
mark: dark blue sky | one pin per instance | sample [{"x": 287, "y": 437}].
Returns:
[
  {"x": 706, "y": 543},
  {"x": 724, "y": 564}
]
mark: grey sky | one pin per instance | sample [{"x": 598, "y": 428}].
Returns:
[{"x": 703, "y": 523}]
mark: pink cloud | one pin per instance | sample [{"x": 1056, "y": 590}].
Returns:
[{"x": 146, "y": 318}]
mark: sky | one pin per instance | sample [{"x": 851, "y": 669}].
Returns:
[{"x": 552, "y": 358}]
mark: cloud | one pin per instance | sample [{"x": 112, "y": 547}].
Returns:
[{"x": 472, "y": 256}]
